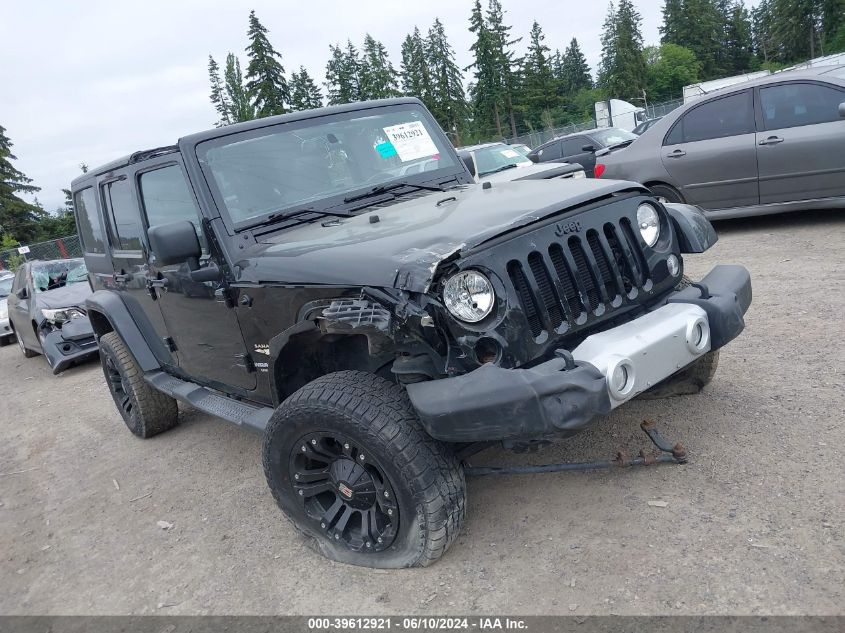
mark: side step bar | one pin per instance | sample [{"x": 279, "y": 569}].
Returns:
[{"x": 250, "y": 416}]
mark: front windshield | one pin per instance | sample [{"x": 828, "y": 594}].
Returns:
[
  {"x": 51, "y": 275},
  {"x": 321, "y": 160},
  {"x": 495, "y": 157},
  {"x": 6, "y": 286},
  {"x": 612, "y": 136}
]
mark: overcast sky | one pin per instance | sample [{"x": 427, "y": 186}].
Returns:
[{"x": 91, "y": 81}]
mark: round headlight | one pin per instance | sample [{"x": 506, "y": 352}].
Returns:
[
  {"x": 649, "y": 223},
  {"x": 469, "y": 296}
]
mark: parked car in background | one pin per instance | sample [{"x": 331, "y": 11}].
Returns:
[
  {"x": 500, "y": 162},
  {"x": 581, "y": 147},
  {"x": 6, "y": 334},
  {"x": 47, "y": 312},
  {"x": 642, "y": 127},
  {"x": 769, "y": 145}
]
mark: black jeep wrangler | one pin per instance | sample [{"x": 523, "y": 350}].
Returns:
[{"x": 334, "y": 280}]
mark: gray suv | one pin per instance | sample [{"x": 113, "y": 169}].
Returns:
[{"x": 770, "y": 145}]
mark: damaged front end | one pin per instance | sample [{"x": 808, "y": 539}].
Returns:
[{"x": 66, "y": 337}]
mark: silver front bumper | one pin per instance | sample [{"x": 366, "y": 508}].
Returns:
[{"x": 637, "y": 355}]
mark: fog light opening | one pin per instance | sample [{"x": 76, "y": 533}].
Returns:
[
  {"x": 698, "y": 336},
  {"x": 487, "y": 351},
  {"x": 620, "y": 379}
]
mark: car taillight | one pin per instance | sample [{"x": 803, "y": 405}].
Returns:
[{"x": 599, "y": 170}]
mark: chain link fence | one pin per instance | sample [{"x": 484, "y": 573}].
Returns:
[
  {"x": 62, "y": 248},
  {"x": 538, "y": 137}
]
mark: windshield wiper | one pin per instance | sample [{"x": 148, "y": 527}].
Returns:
[
  {"x": 498, "y": 169},
  {"x": 297, "y": 211},
  {"x": 387, "y": 188}
]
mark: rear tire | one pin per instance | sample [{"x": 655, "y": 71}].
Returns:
[
  {"x": 350, "y": 465},
  {"x": 665, "y": 193},
  {"x": 146, "y": 411}
]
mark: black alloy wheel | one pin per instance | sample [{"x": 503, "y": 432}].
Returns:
[{"x": 344, "y": 491}]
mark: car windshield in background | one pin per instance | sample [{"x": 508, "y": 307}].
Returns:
[
  {"x": 287, "y": 166},
  {"x": 496, "y": 157},
  {"x": 6, "y": 286},
  {"x": 612, "y": 136},
  {"x": 52, "y": 275}
]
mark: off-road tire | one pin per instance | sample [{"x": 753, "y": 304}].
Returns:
[
  {"x": 692, "y": 378},
  {"x": 666, "y": 193},
  {"x": 28, "y": 353},
  {"x": 426, "y": 477},
  {"x": 146, "y": 411}
]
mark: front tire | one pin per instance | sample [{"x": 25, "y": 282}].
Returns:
[
  {"x": 28, "y": 353},
  {"x": 146, "y": 411},
  {"x": 350, "y": 465}
]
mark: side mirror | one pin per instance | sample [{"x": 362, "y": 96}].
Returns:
[
  {"x": 22, "y": 293},
  {"x": 469, "y": 163},
  {"x": 534, "y": 158},
  {"x": 588, "y": 148},
  {"x": 842, "y": 109},
  {"x": 175, "y": 243}
]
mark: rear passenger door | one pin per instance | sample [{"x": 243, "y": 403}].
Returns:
[
  {"x": 711, "y": 153},
  {"x": 800, "y": 142},
  {"x": 572, "y": 150}
]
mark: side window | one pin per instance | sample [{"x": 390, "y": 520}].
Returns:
[
  {"x": 167, "y": 198},
  {"x": 123, "y": 215},
  {"x": 728, "y": 116},
  {"x": 550, "y": 151},
  {"x": 90, "y": 229},
  {"x": 572, "y": 146},
  {"x": 795, "y": 104},
  {"x": 676, "y": 134}
]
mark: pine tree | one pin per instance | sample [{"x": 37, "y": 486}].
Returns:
[
  {"x": 761, "y": 32},
  {"x": 795, "y": 29},
  {"x": 623, "y": 69},
  {"x": 574, "y": 74},
  {"x": 539, "y": 91},
  {"x": 504, "y": 60},
  {"x": 266, "y": 83},
  {"x": 17, "y": 217},
  {"x": 218, "y": 97},
  {"x": 699, "y": 25},
  {"x": 416, "y": 81},
  {"x": 485, "y": 90},
  {"x": 241, "y": 108},
  {"x": 378, "y": 77},
  {"x": 304, "y": 92},
  {"x": 448, "y": 101},
  {"x": 343, "y": 83},
  {"x": 674, "y": 22},
  {"x": 833, "y": 26},
  {"x": 738, "y": 50}
]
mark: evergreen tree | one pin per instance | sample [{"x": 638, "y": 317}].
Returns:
[
  {"x": 833, "y": 26},
  {"x": 218, "y": 96},
  {"x": 378, "y": 78},
  {"x": 266, "y": 83},
  {"x": 674, "y": 22},
  {"x": 507, "y": 67},
  {"x": 538, "y": 80},
  {"x": 761, "y": 32},
  {"x": 17, "y": 217},
  {"x": 574, "y": 74},
  {"x": 795, "y": 29},
  {"x": 738, "y": 50},
  {"x": 343, "y": 83},
  {"x": 240, "y": 108},
  {"x": 447, "y": 98},
  {"x": 414, "y": 74},
  {"x": 304, "y": 92},
  {"x": 623, "y": 69},
  {"x": 485, "y": 90}
]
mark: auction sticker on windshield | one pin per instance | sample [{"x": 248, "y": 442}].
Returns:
[
  {"x": 509, "y": 153},
  {"x": 411, "y": 140}
]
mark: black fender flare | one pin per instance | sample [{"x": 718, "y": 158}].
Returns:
[
  {"x": 695, "y": 233},
  {"x": 107, "y": 312}
]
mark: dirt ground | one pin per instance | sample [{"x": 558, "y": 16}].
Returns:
[{"x": 752, "y": 525}]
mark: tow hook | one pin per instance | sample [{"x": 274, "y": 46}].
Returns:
[{"x": 669, "y": 454}]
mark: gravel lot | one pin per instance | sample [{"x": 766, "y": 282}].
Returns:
[{"x": 752, "y": 525}]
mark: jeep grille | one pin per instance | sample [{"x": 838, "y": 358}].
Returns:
[{"x": 565, "y": 280}]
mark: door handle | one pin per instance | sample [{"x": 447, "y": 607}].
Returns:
[
  {"x": 772, "y": 140},
  {"x": 121, "y": 278},
  {"x": 676, "y": 154},
  {"x": 157, "y": 283}
]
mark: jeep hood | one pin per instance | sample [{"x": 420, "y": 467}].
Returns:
[
  {"x": 531, "y": 172},
  {"x": 401, "y": 244}
]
